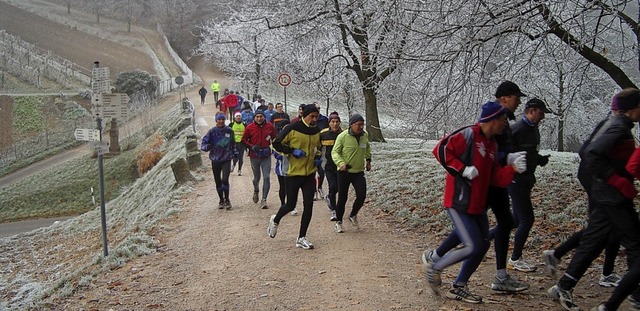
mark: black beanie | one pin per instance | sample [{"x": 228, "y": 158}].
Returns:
[
  {"x": 355, "y": 118},
  {"x": 308, "y": 109}
]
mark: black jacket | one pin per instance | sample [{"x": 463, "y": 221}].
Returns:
[
  {"x": 526, "y": 137},
  {"x": 607, "y": 154}
]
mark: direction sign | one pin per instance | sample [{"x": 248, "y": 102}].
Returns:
[
  {"x": 100, "y": 86},
  {"x": 284, "y": 79},
  {"x": 87, "y": 134},
  {"x": 110, "y": 105},
  {"x": 101, "y": 73},
  {"x": 101, "y": 147}
]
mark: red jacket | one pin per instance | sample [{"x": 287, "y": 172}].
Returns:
[
  {"x": 259, "y": 135},
  {"x": 633, "y": 164},
  {"x": 468, "y": 146},
  {"x": 229, "y": 102}
]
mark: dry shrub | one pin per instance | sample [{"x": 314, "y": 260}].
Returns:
[{"x": 150, "y": 154}]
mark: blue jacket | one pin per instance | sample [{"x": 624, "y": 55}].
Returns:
[
  {"x": 247, "y": 116},
  {"x": 220, "y": 143}
]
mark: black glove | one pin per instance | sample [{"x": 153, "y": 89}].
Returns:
[
  {"x": 543, "y": 160},
  {"x": 255, "y": 148}
]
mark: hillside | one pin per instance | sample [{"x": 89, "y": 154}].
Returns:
[{"x": 60, "y": 34}]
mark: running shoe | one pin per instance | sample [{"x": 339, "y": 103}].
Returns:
[
  {"x": 564, "y": 297},
  {"x": 233, "y": 167},
  {"x": 221, "y": 204},
  {"x": 599, "y": 308},
  {"x": 463, "y": 294},
  {"x": 272, "y": 230},
  {"x": 434, "y": 278},
  {"x": 239, "y": 172},
  {"x": 321, "y": 193},
  {"x": 508, "y": 284},
  {"x": 315, "y": 196},
  {"x": 610, "y": 280},
  {"x": 354, "y": 221},
  {"x": 551, "y": 261},
  {"x": 294, "y": 212},
  {"x": 521, "y": 265},
  {"x": 635, "y": 302},
  {"x": 263, "y": 204},
  {"x": 227, "y": 204},
  {"x": 339, "y": 228},
  {"x": 333, "y": 217},
  {"x": 255, "y": 197},
  {"x": 303, "y": 243}
]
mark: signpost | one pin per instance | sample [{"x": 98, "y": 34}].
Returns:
[
  {"x": 87, "y": 134},
  {"x": 284, "y": 79}
]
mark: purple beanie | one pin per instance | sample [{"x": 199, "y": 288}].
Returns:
[{"x": 491, "y": 111}]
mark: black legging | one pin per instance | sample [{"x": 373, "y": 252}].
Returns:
[
  {"x": 221, "y": 171},
  {"x": 293, "y": 184},
  {"x": 332, "y": 180},
  {"x": 320, "y": 178},
  {"x": 240, "y": 147},
  {"x": 610, "y": 250},
  {"x": 282, "y": 192},
  {"x": 359, "y": 185}
]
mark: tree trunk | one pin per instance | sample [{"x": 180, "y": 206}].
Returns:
[
  {"x": 371, "y": 118},
  {"x": 560, "y": 134}
]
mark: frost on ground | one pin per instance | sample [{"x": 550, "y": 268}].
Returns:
[{"x": 48, "y": 262}]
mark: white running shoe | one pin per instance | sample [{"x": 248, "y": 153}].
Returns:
[
  {"x": 263, "y": 204},
  {"x": 272, "y": 230},
  {"x": 521, "y": 265},
  {"x": 303, "y": 243},
  {"x": 339, "y": 228},
  {"x": 610, "y": 280},
  {"x": 354, "y": 221},
  {"x": 294, "y": 212}
]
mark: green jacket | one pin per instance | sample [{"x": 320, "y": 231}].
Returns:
[
  {"x": 299, "y": 135},
  {"x": 351, "y": 150}
]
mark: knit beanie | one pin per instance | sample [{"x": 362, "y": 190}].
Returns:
[
  {"x": 334, "y": 115},
  {"x": 355, "y": 118},
  {"x": 259, "y": 111},
  {"x": 627, "y": 99},
  {"x": 308, "y": 109},
  {"x": 491, "y": 111}
]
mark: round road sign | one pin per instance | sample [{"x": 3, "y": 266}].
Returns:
[
  {"x": 284, "y": 79},
  {"x": 179, "y": 80}
]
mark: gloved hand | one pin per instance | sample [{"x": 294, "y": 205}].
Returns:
[
  {"x": 543, "y": 160},
  {"x": 520, "y": 164},
  {"x": 255, "y": 148},
  {"x": 317, "y": 161},
  {"x": 511, "y": 157},
  {"x": 470, "y": 172},
  {"x": 236, "y": 154},
  {"x": 277, "y": 156},
  {"x": 297, "y": 153},
  {"x": 623, "y": 185}
]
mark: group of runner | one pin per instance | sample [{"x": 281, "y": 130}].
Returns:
[{"x": 307, "y": 149}]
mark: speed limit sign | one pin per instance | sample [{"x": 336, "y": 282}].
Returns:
[{"x": 284, "y": 79}]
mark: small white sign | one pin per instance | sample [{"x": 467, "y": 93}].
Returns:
[
  {"x": 101, "y": 147},
  {"x": 101, "y": 73},
  {"x": 98, "y": 87},
  {"x": 87, "y": 134}
]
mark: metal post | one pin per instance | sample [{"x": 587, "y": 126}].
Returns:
[
  {"x": 285, "y": 98},
  {"x": 103, "y": 210}
]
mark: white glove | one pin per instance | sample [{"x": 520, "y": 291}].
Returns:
[
  {"x": 520, "y": 164},
  {"x": 511, "y": 157},
  {"x": 470, "y": 172}
]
